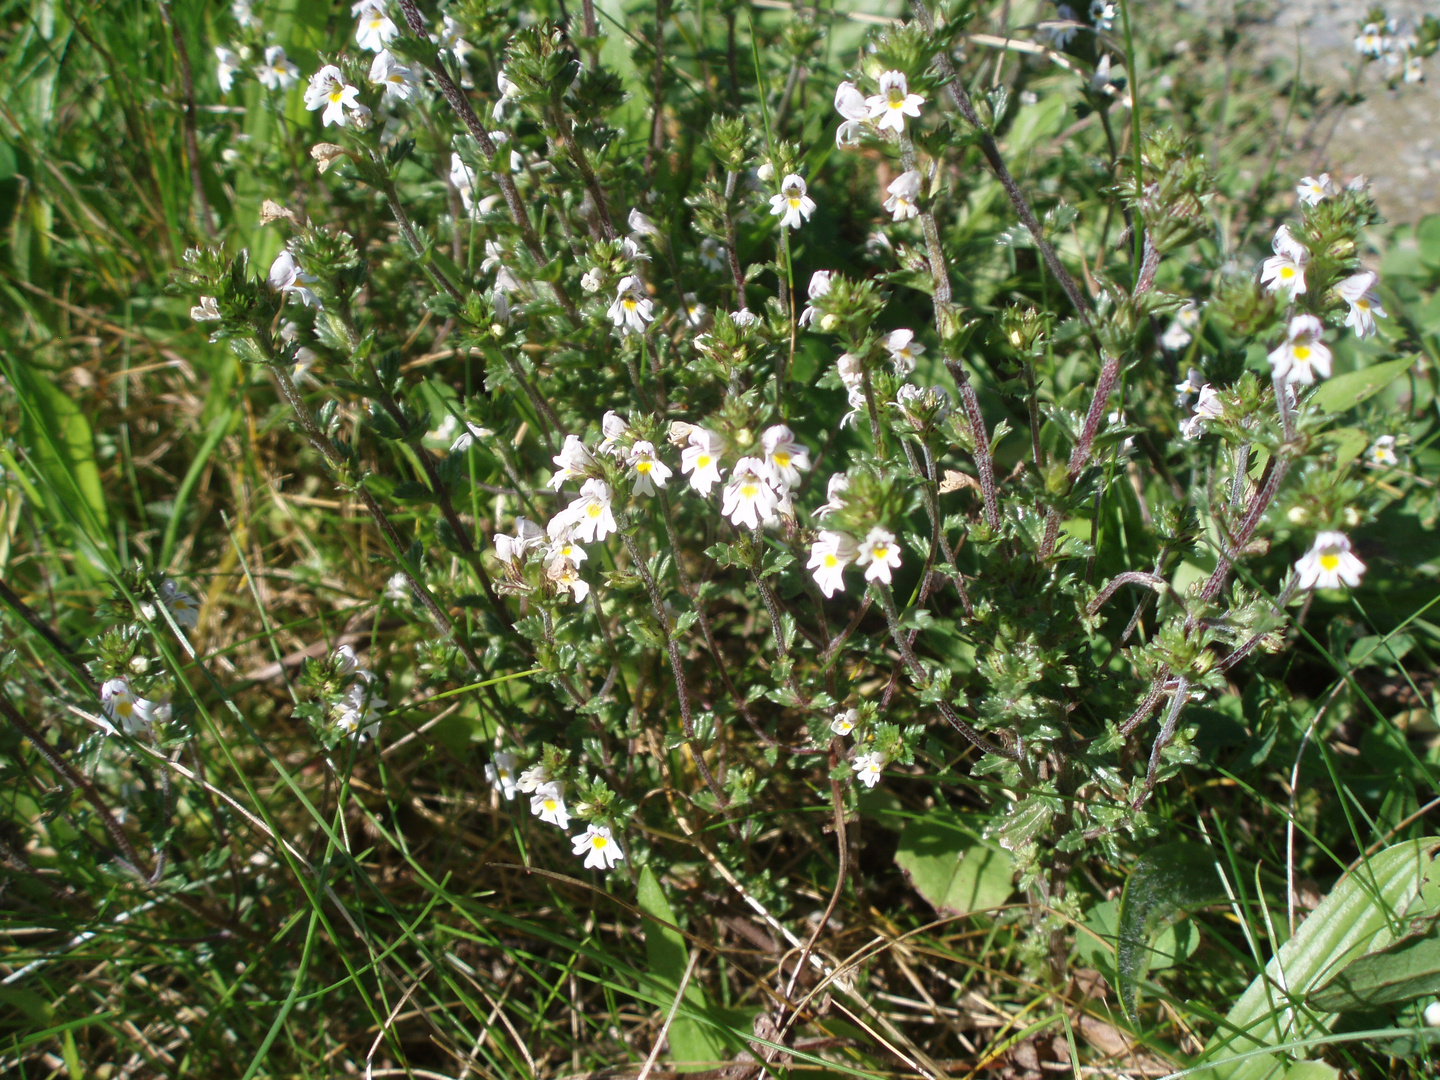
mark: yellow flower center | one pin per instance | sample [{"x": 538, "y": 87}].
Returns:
[
  {"x": 781, "y": 458},
  {"x": 1362, "y": 304},
  {"x": 628, "y": 303},
  {"x": 897, "y": 97},
  {"x": 337, "y": 94},
  {"x": 831, "y": 560},
  {"x": 643, "y": 467},
  {"x": 879, "y": 552},
  {"x": 794, "y": 202},
  {"x": 125, "y": 707},
  {"x": 1329, "y": 560},
  {"x": 1287, "y": 271},
  {"x": 748, "y": 491},
  {"x": 598, "y": 842},
  {"x": 1302, "y": 352},
  {"x": 703, "y": 461},
  {"x": 550, "y": 805},
  {"x": 593, "y": 510}
]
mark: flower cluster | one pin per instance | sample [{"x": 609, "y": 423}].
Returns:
[{"x": 545, "y": 783}]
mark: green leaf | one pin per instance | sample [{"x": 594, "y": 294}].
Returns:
[
  {"x": 1348, "y": 390},
  {"x": 1406, "y": 970},
  {"x": 1312, "y": 1070},
  {"x": 58, "y": 437},
  {"x": 665, "y": 950},
  {"x": 1349, "y": 443},
  {"x": 949, "y": 869},
  {"x": 1167, "y": 882},
  {"x": 1361, "y": 914}
]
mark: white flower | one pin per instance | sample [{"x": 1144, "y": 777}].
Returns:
[
  {"x": 785, "y": 458},
  {"x": 1178, "y": 334},
  {"x": 847, "y": 135},
  {"x": 566, "y": 577},
  {"x": 749, "y": 500},
  {"x": 1302, "y": 355},
  {"x": 701, "y": 459},
  {"x": 183, "y": 608},
  {"x": 329, "y": 91},
  {"x": 1060, "y": 32},
  {"x": 850, "y": 102},
  {"x": 695, "y": 311},
  {"x": 374, "y": 30},
  {"x": 398, "y": 80},
  {"x": 851, "y": 370},
  {"x": 241, "y": 13},
  {"x": 205, "y": 311},
  {"x": 766, "y": 172},
  {"x": 501, "y": 774},
  {"x": 1329, "y": 563},
  {"x": 712, "y": 255},
  {"x": 1371, "y": 40},
  {"x": 463, "y": 177},
  {"x": 466, "y": 438},
  {"x": 1100, "y": 78},
  {"x": 903, "y": 349},
  {"x": 562, "y": 544},
  {"x": 819, "y": 286},
  {"x": 574, "y": 462},
  {"x": 650, "y": 472},
  {"x": 397, "y": 588},
  {"x": 845, "y": 722},
  {"x": 345, "y": 662},
  {"x": 548, "y": 804},
  {"x": 1383, "y": 451},
  {"x": 894, "y": 102},
  {"x": 1358, "y": 290},
  {"x": 590, "y": 515},
  {"x": 1314, "y": 189},
  {"x": 120, "y": 702},
  {"x": 1285, "y": 270},
  {"x": 744, "y": 318},
  {"x": 1102, "y": 14},
  {"x": 1414, "y": 73},
  {"x": 360, "y": 712},
  {"x": 599, "y": 848},
  {"x": 277, "y": 73},
  {"x": 533, "y": 778},
  {"x": 631, "y": 309},
  {"x": 528, "y": 536},
  {"x": 867, "y": 767},
  {"x": 508, "y": 90},
  {"x": 591, "y": 280},
  {"x": 792, "y": 205},
  {"x": 286, "y": 276},
  {"x": 880, "y": 553},
  {"x": 227, "y": 63},
  {"x": 838, "y": 485},
  {"x": 1208, "y": 407},
  {"x": 829, "y": 556},
  {"x": 615, "y": 429},
  {"x": 641, "y": 225},
  {"x": 903, "y": 190}
]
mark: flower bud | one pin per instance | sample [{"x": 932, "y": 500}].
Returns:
[
  {"x": 829, "y": 322},
  {"x": 766, "y": 172},
  {"x": 139, "y": 665}
]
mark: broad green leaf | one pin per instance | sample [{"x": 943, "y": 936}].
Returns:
[
  {"x": 950, "y": 870},
  {"x": 1362, "y": 913},
  {"x": 58, "y": 439},
  {"x": 1349, "y": 443},
  {"x": 1312, "y": 1070},
  {"x": 1166, "y": 883},
  {"x": 665, "y": 950},
  {"x": 1172, "y": 944},
  {"x": 1406, "y": 970},
  {"x": 1348, "y": 390}
]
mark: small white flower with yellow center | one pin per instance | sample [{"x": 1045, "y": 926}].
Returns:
[
  {"x": 1102, "y": 14},
  {"x": 500, "y": 772},
  {"x": 712, "y": 255},
  {"x": 829, "y": 556},
  {"x": 566, "y": 577},
  {"x": 278, "y": 72},
  {"x": 398, "y": 80},
  {"x": 1329, "y": 563},
  {"x": 1371, "y": 40},
  {"x": 374, "y": 29},
  {"x": 1208, "y": 407},
  {"x": 562, "y": 544},
  {"x": 851, "y": 104},
  {"x": 206, "y": 310},
  {"x": 631, "y": 309},
  {"x": 360, "y": 712},
  {"x": 819, "y": 287},
  {"x": 903, "y": 350},
  {"x": 1315, "y": 189},
  {"x": 1414, "y": 72},
  {"x": 329, "y": 91},
  {"x": 649, "y": 471},
  {"x": 749, "y": 500},
  {"x": 1179, "y": 333},
  {"x": 182, "y": 606},
  {"x": 695, "y": 311},
  {"x": 590, "y": 515},
  {"x": 785, "y": 457},
  {"x": 548, "y": 804},
  {"x": 1383, "y": 452},
  {"x": 533, "y": 778},
  {"x": 227, "y": 63},
  {"x": 903, "y": 191},
  {"x": 880, "y": 553},
  {"x": 1285, "y": 270},
  {"x": 792, "y": 205},
  {"x": 121, "y": 703},
  {"x": 1302, "y": 355},
  {"x": 573, "y": 462},
  {"x": 845, "y": 722},
  {"x": 599, "y": 848},
  {"x": 868, "y": 767},
  {"x": 894, "y": 102},
  {"x": 1358, "y": 290},
  {"x": 701, "y": 459}
]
